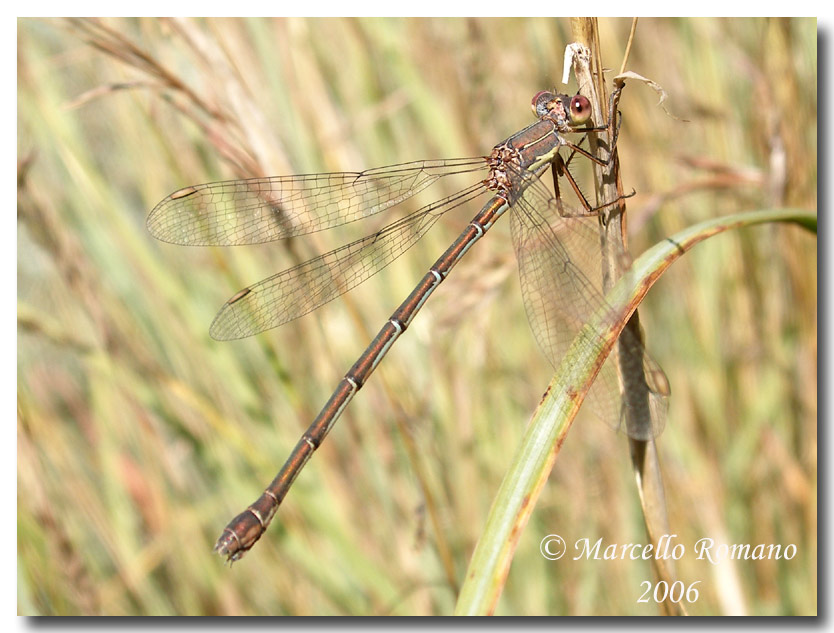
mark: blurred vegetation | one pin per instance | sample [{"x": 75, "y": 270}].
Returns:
[{"x": 139, "y": 437}]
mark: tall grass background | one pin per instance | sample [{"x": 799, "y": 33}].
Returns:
[{"x": 139, "y": 436}]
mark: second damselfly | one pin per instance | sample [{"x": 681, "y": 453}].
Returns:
[{"x": 557, "y": 246}]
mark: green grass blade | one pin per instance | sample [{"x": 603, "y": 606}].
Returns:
[{"x": 540, "y": 446}]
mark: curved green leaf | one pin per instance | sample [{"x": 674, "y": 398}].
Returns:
[{"x": 540, "y": 446}]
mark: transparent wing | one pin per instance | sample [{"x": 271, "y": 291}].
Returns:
[
  {"x": 560, "y": 266},
  {"x": 258, "y": 210},
  {"x": 303, "y": 288}
]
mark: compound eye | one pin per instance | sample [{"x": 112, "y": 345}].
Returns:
[
  {"x": 580, "y": 110},
  {"x": 541, "y": 103}
]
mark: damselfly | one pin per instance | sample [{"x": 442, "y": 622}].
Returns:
[{"x": 558, "y": 250}]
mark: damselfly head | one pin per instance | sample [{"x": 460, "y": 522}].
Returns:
[{"x": 561, "y": 109}]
